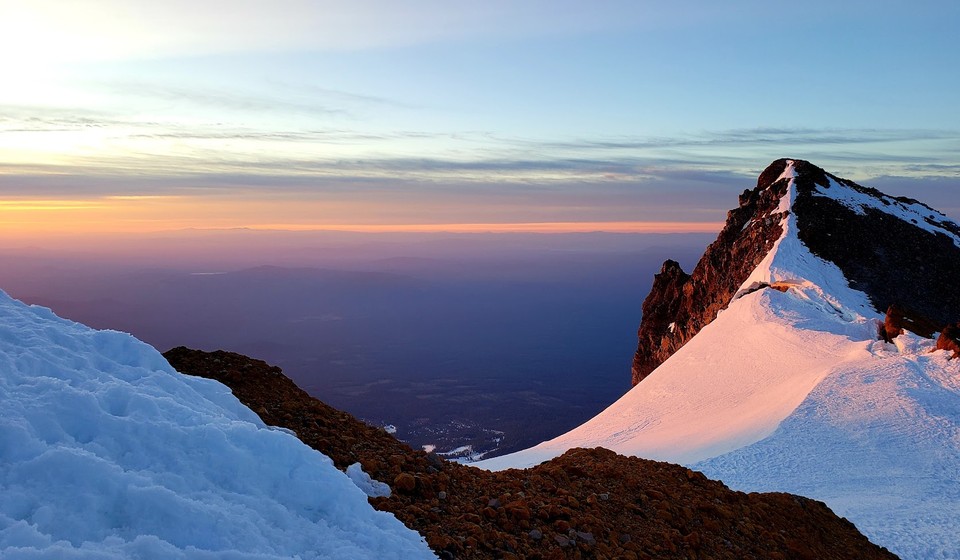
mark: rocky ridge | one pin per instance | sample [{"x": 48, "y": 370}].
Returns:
[
  {"x": 901, "y": 253},
  {"x": 584, "y": 504}
]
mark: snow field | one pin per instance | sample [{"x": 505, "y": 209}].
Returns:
[
  {"x": 879, "y": 442},
  {"x": 106, "y": 452}
]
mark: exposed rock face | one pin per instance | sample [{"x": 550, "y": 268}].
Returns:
[
  {"x": 690, "y": 302},
  {"x": 891, "y": 259},
  {"x": 584, "y": 504},
  {"x": 899, "y": 319},
  {"x": 949, "y": 339}
]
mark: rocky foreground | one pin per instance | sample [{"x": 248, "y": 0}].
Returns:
[{"x": 584, "y": 504}]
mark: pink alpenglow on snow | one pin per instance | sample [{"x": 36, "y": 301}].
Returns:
[{"x": 792, "y": 390}]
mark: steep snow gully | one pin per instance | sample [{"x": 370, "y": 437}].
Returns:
[{"x": 789, "y": 389}]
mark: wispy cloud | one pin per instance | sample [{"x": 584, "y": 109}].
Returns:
[
  {"x": 170, "y": 157},
  {"x": 230, "y": 100},
  {"x": 762, "y": 136}
]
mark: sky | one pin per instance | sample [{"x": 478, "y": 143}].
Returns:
[{"x": 127, "y": 116}]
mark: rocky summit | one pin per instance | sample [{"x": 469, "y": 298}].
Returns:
[
  {"x": 587, "y": 503},
  {"x": 898, "y": 251}
]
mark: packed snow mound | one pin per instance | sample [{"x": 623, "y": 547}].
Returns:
[
  {"x": 107, "y": 452},
  {"x": 790, "y": 390}
]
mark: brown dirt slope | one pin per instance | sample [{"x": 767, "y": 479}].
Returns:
[{"x": 584, "y": 504}]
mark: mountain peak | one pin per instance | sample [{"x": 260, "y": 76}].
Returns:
[
  {"x": 774, "y": 375},
  {"x": 896, "y": 250}
]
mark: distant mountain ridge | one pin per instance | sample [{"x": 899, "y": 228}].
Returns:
[{"x": 896, "y": 250}]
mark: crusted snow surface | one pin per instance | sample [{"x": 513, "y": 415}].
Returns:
[
  {"x": 107, "y": 452},
  {"x": 370, "y": 487},
  {"x": 878, "y": 440}
]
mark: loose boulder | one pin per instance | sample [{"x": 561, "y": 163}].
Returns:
[{"x": 949, "y": 339}]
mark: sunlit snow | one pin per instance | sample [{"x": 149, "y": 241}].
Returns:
[{"x": 791, "y": 391}]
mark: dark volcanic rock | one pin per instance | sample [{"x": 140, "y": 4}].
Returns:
[
  {"x": 584, "y": 504},
  {"x": 890, "y": 259},
  {"x": 893, "y": 260}
]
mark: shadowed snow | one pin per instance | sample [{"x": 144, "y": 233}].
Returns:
[{"x": 107, "y": 452}]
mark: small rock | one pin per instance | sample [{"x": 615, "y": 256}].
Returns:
[
  {"x": 405, "y": 482},
  {"x": 586, "y": 537},
  {"x": 535, "y": 534},
  {"x": 435, "y": 460},
  {"x": 949, "y": 340},
  {"x": 561, "y": 540},
  {"x": 441, "y": 495}
]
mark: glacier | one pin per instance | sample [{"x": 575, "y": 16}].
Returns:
[{"x": 107, "y": 452}]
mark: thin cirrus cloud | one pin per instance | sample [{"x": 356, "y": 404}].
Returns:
[
  {"x": 473, "y": 156},
  {"x": 23, "y": 118},
  {"x": 225, "y": 100},
  {"x": 779, "y": 137}
]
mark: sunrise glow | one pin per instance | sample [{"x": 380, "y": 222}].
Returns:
[
  {"x": 151, "y": 213},
  {"x": 300, "y": 115}
]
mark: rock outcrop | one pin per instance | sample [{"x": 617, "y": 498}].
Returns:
[
  {"x": 949, "y": 339},
  {"x": 679, "y": 305},
  {"x": 585, "y": 504},
  {"x": 909, "y": 261},
  {"x": 896, "y": 250},
  {"x": 899, "y": 319}
]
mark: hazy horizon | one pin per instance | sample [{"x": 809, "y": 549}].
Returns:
[{"x": 450, "y": 337}]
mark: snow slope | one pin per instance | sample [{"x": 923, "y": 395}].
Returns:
[
  {"x": 107, "y": 452},
  {"x": 730, "y": 385},
  {"x": 791, "y": 391},
  {"x": 879, "y": 441}
]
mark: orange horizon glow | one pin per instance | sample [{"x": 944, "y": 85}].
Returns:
[
  {"x": 523, "y": 227},
  {"x": 150, "y": 214}
]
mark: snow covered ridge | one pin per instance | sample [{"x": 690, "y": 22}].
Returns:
[
  {"x": 790, "y": 389},
  {"x": 107, "y": 452},
  {"x": 895, "y": 250},
  {"x": 861, "y": 200}
]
